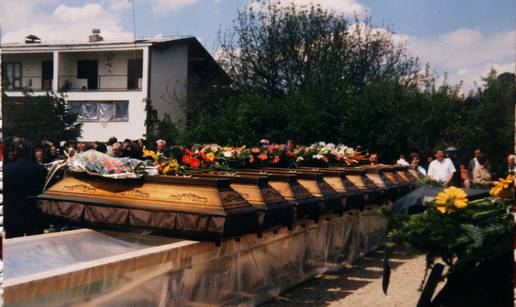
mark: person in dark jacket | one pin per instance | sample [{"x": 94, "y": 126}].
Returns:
[
  {"x": 53, "y": 155},
  {"x": 22, "y": 179}
]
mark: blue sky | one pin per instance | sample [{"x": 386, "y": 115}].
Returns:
[{"x": 463, "y": 38}]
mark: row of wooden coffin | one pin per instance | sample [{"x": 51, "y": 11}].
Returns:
[{"x": 211, "y": 205}]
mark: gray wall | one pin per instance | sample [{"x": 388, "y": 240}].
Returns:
[{"x": 168, "y": 81}]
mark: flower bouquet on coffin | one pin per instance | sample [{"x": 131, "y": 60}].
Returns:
[
  {"x": 275, "y": 155},
  {"x": 323, "y": 154},
  {"x": 159, "y": 165},
  {"x": 454, "y": 233}
]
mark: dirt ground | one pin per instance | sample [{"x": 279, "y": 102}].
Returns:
[{"x": 360, "y": 285}]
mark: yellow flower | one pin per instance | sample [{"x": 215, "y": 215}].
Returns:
[
  {"x": 442, "y": 209},
  {"x": 210, "y": 156},
  {"x": 150, "y": 153},
  {"x": 171, "y": 166},
  {"x": 450, "y": 199},
  {"x": 496, "y": 190},
  {"x": 503, "y": 187}
]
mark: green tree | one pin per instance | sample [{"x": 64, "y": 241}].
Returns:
[
  {"x": 157, "y": 128},
  {"x": 309, "y": 74},
  {"x": 38, "y": 118},
  {"x": 488, "y": 119},
  {"x": 295, "y": 73}
]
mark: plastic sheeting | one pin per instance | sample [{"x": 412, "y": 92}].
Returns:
[
  {"x": 245, "y": 272},
  {"x": 100, "y": 164}
]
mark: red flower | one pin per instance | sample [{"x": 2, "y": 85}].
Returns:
[
  {"x": 255, "y": 150},
  {"x": 276, "y": 160},
  {"x": 186, "y": 160},
  {"x": 188, "y": 152},
  {"x": 195, "y": 163},
  {"x": 263, "y": 157},
  {"x": 251, "y": 159},
  {"x": 325, "y": 159}
]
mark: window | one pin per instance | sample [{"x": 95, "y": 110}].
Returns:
[
  {"x": 12, "y": 77},
  {"x": 47, "y": 74},
  {"x": 89, "y": 70},
  {"x": 103, "y": 111},
  {"x": 134, "y": 72}
]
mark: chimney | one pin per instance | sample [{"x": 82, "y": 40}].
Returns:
[
  {"x": 32, "y": 39},
  {"x": 95, "y": 36}
]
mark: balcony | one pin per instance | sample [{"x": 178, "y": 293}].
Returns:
[
  {"x": 92, "y": 71},
  {"x": 32, "y": 71},
  {"x": 28, "y": 83},
  {"x": 71, "y": 83},
  {"x": 100, "y": 71}
]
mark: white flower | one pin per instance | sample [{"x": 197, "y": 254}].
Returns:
[
  {"x": 318, "y": 156},
  {"x": 228, "y": 154},
  {"x": 299, "y": 159}
]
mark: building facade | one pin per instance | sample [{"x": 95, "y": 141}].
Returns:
[{"x": 109, "y": 83}]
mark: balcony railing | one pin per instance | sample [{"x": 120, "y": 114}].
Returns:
[
  {"x": 33, "y": 83},
  {"x": 100, "y": 83}
]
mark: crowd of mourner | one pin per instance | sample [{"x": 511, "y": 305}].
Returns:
[{"x": 25, "y": 172}]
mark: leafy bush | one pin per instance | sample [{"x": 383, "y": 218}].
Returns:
[{"x": 38, "y": 118}]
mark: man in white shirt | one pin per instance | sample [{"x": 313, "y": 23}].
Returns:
[{"x": 441, "y": 169}]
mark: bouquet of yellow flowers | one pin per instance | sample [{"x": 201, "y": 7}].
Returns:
[
  {"x": 451, "y": 199},
  {"x": 150, "y": 154},
  {"x": 504, "y": 188},
  {"x": 459, "y": 232},
  {"x": 164, "y": 166}
]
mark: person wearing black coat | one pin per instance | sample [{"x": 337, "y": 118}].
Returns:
[{"x": 22, "y": 179}]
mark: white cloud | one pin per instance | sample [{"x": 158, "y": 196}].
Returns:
[
  {"x": 52, "y": 21},
  {"x": 346, "y": 7},
  {"x": 363, "y": 28},
  {"x": 164, "y": 7},
  {"x": 119, "y": 5},
  {"x": 71, "y": 13},
  {"x": 466, "y": 54}
]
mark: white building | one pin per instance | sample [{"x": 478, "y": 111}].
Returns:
[{"x": 109, "y": 83}]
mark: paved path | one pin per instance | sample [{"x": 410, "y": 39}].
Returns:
[{"x": 360, "y": 285}]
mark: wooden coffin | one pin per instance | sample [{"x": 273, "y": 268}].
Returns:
[
  {"x": 373, "y": 193},
  {"x": 273, "y": 208},
  {"x": 197, "y": 208},
  {"x": 391, "y": 188},
  {"x": 404, "y": 172},
  {"x": 305, "y": 204},
  {"x": 314, "y": 182},
  {"x": 353, "y": 196},
  {"x": 399, "y": 174}
]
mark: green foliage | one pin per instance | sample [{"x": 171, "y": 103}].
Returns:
[
  {"x": 38, "y": 118},
  {"x": 488, "y": 119},
  {"x": 307, "y": 75},
  {"x": 159, "y": 128},
  {"x": 483, "y": 229}
]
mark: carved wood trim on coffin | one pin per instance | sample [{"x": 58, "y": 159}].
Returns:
[{"x": 188, "y": 197}]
